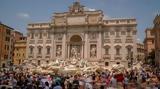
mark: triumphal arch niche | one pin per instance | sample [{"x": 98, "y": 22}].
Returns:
[
  {"x": 75, "y": 46},
  {"x": 82, "y": 34}
]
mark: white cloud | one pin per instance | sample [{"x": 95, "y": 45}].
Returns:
[
  {"x": 23, "y": 15},
  {"x": 106, "y": 17},
  {"x": 89, "y": 9},
  {"x": 138, "y": 40}
]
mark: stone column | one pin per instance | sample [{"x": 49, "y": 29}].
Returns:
[
  {"x": 82, "y": 50},
  {"x": 64, "y": 46},
  {"x": 86, "y": 49},
  {"x": 54, "y": 47},
  {"x": 99, "y": 46},
  {"x": 68, "y": 50}
]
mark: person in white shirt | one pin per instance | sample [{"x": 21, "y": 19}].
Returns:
[
  {"x": 46, "y": 85},
  {"x": 88, "y": 82},
  {"x": 113, "y": 82}
]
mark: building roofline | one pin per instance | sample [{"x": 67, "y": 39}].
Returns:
[
  {"x": 121, "y": 18},
  {"x": 6, "y": 26},
  {"x": 32, "y": 23}
]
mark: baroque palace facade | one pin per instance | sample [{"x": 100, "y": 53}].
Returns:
[
  {"x": 82, "y": 34},
  {"x": 156, "y": 30}
]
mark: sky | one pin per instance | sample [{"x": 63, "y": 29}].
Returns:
[{"x": 18, "y": 13}]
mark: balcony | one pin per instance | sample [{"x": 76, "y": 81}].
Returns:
[
  {"x": 40, "y": 41},
  {"x": 47, "y": 56},
  {"x": 107, "y": 56},
  {"x": 129, "y": 41},
  {"x": 39, "y": 55},
  {"x": 117, "y": 41},
  {"x": 118, "y": 56},
  {"x": 32, "y": 42},
  {"x": 107, "y": 41},
  {"x": 31, "y": 55},
  {"x": 48, "y": 41}
]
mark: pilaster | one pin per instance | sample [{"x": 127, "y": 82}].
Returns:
[
  {"x": 64, "y": 46},
  {"x": 99, "y": 46},
  {"x": 86, "y": 49}
]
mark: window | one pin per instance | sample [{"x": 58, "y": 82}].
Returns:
[
  {"x": 152, "y": 41},
  {"x": 7, "y": 47},
  {"x": 3, "y": 65},
  {"x": 128, "y": 21},
  {"x": 128, "y": 50},
  {"x": 7, "y": 39},
  {"x": 19, "y": 61},
  {"x": 106, "y": 34},
  {"x": 112, "y": 32},
  {"x": 47, "y": 62},
  {"x": 117, "y": 51},
  {"x": 49, "y": 35},
  {"x": 48, "y": 50},
  {"x": 40, "y": 35},
  {"x": 123, "y": 33},
  {"x": 8, "y": 31},
  {"x": 117, "y": 22},
  {"x": 117, "y": 34},
  {"x": 31, "y": 50},
  {"x": 39, "y": 62},
  {"x": 134, "y": 32},
  {"x": 118, "y": 63},
  {"x": 5, "y": 56},
  {"x": 32, "y": 35},
  {"x": 128, "y": 33},
  {"x": 107, "y": 51},
  {"x": 106, "y": 63},
  {"x": 39, "y": 50}
]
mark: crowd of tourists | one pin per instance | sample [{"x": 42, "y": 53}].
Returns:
[{"x": 132, "y": 79}]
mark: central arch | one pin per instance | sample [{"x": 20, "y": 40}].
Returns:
[
  {"x": 75, "y": 50},
  {"x": 75, "y": 38}
]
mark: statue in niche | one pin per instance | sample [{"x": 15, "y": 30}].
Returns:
[
  {"x": 59, "y": 51},
  {"x": 93, "y": 51},
  {"x": 58, "y": 36},
  {"x": 74, "y": 52},
  {"x": 93, "y": 36}
]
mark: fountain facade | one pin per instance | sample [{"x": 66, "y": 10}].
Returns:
[{"x": 78, "y": 35}]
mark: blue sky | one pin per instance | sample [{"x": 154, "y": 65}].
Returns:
[{"x": 18, "y": 13}]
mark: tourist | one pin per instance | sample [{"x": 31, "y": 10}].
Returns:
[
  {"x": 75, "y": 83},
  {"x": 88, "y": 82},
  {"x": 113, "y": 82},
  {"x": 46, "y": 85},
  {"x": 108, "y": 81},
  {"x": 57, "y": 86},
  {"x": 125, "y": 82},
  {"x": 81, "y": 82}
]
